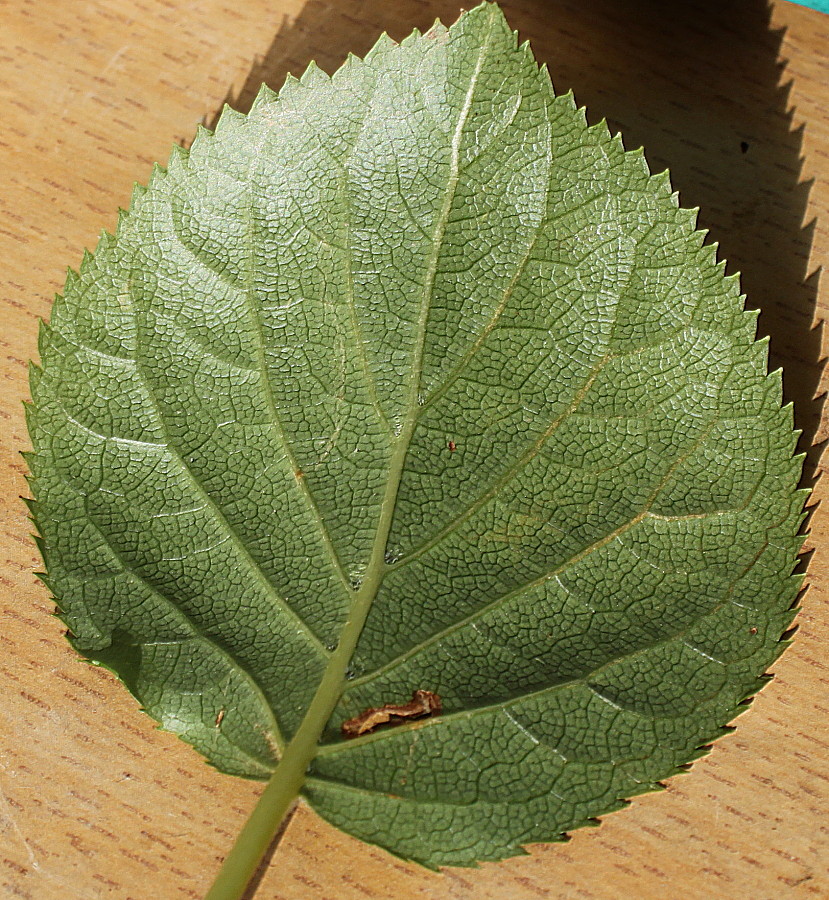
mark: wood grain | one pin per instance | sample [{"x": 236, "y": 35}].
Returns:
[{"x": 97, "y": 803}]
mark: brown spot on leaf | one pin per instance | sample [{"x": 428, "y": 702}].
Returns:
[
  {"x": 423, "y": 703},
  {"x": 220, "y": 717},
  {"x": 452, "y": 446}
]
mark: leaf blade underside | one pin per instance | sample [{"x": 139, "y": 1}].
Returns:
[{"x": 417, "y": 324}]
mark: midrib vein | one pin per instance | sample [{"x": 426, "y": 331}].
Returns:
[
  {"x": 377, "y": 566},
  {"x": 303, "y": 747},
  {"x": 470, "y": 354}
]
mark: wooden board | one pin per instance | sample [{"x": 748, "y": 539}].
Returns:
[{"x": 95, "y": 802}]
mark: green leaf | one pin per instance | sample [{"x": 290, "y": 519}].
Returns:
[{"x": 412, "y": 363}]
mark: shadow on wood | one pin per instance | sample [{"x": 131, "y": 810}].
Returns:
[
  {"x": 265, "y": 862},
  {"x": 700, "y": 89}
]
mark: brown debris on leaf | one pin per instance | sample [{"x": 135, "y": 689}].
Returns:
[{"x": 423, "y": 703}]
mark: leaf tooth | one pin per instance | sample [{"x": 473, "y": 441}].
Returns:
[
  {"x": 787, "y": 415},
  {"x": 526, "y": 56},
  {"x": 762, "y": 345},
  {"x": 28, "y": 407},
  {"x": 687, "y": 215},
  {"x": 32, "y": 476},
  {"x": 748, "y": 316},
  {"x": 265, "y": 96},
  {"x": 774, "y": 379},
  {"x": 158, "y": 171},
  {"x": 761, "y": 682},
  {"x": 153, "y": 182},
  {"x": 797, "y": 580},
  {"x": 787, "y": 636},
  {"x": 139, "y": 191},
  {"x": 696, "y": 754},
  {"x": 516, "y": 44},
  {"x": 485, "y": 8},
  {"x": 87, "y": 260},
  {"x": 106, "y": 242},
  {"x": 783, "y": 644},
  {"x": 544, "y": 78},
  {"x": 179, "y": 156},
  {"x": 30, "y": 413},
  {"x": 601, "y": 130},
  {"x": 567, "y": 100},
  {"x": 59, "y": 305},
  {"x": 313, "y": 76},
  {"x": 28, "y": 456},
  {"x": 636, "y": 158},
  {"x": 228, "y": 119},
  {"x": 797, "y": 458},
  {"x": 436, "y": 27},
  {"x": 287, "y": 92},
  {"x": 35, "y": 378},
  {"x": 802, "y": 532},
  {"x": 645, "y": 787},
  {"x": 799, "y": 498},
  {"x": 794, "y": 610},
  {"x": 383, "y": 45},
  {"x": 353, "y": 63},
  {"x": 121, "y": 222},
  {"x": 795, "y": 607},
  {"x": 661, "y": 181},
  {"x": 416, "y": 35},
  {"x": 72, "y": 279},
  {"x": 44, "y": 333},
  {"x": 805, "y": 493},
  {"x": 733, "y": 283},
  {"x": 202, "y": 134},
  {"x": 707, "y": 251}
]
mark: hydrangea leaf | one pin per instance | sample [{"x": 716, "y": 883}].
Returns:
[{"x": 409, "y": 380}]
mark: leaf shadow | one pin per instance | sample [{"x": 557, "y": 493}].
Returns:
[
  {"x": 265, "y": 862},
  {"x": 702, "y": 89}
]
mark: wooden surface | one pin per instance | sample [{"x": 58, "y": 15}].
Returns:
[{"x": 95, "y": 802}]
